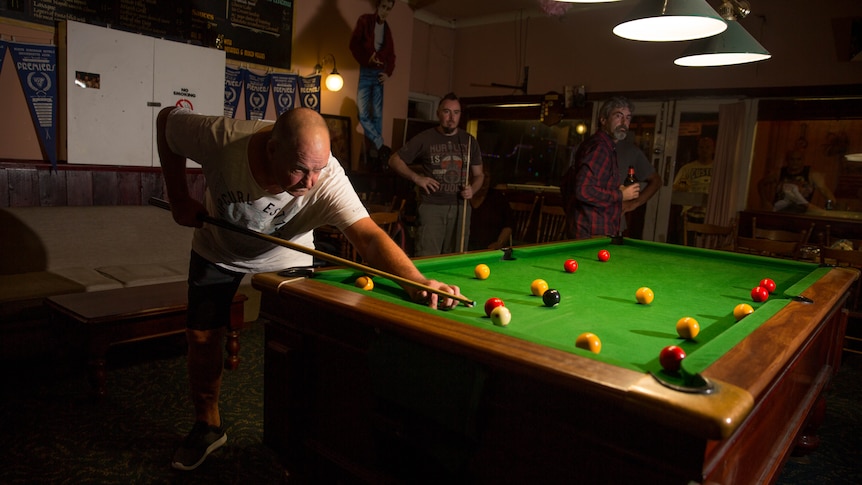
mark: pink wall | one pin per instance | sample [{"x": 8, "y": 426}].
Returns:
[
  {"x": 320, "y": 28},
  {"x": 431, "y": 64},
  {"x": 580, "y": 48},
  {"x": 572, "y": 50}
]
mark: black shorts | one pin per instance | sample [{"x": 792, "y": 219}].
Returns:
[{"x": 211, "y": 291}]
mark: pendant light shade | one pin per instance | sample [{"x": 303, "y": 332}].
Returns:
[
  {"x": 733, "y": 46},
  {"x": 671, "y": 20}
]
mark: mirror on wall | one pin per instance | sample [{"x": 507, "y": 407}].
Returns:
[
  {"x": 806, "y": 159},
  {"x": 528, "y": 151}
]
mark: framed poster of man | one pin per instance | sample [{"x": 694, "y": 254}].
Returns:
[{"x": 339, "y": 138}]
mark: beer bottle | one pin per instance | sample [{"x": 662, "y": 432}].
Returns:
[{"x": 630, "y": 178}]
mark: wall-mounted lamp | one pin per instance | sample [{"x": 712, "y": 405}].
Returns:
[
  {"x": 334, "y": 81},
  {"x": 671, "y": 20},
  {"x": 733, "y": 46}
]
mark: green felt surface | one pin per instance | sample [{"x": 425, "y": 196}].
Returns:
[{"x": 600, "y": 296}]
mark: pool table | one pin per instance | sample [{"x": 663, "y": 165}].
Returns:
[{"x": 367, "y": 386}]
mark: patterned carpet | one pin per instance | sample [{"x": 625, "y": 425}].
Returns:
[{"x": 52, "y": 432}]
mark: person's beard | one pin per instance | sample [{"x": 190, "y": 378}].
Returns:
[{"x": 620, "y": 133}]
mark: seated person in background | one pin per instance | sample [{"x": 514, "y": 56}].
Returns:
[
  {"x": 491, "y": 221},
  {"x": 791, "y": 188},
  {"x": 696, "y": 176}
]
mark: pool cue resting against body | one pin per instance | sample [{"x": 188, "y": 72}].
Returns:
[{"x": 278, "y": 179}]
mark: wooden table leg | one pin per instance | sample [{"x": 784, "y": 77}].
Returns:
[
  {"x": 97, "y": 366},
  {"x": 231, "y": 362}
]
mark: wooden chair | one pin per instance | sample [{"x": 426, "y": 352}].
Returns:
[
  {"x": 710, "y": 236},
  {"x": 522, "y": 216},
  {"x": 799, "y": 238},
  {"x": 780, "y": 234},
  {"x": 397, "y": 205},
  {"x": 829, "y": 241},
  {"x": 398, "y": 232},
  {"x": 552, "y": 223},
  {"x": 388, "y": 221},
  {"x": 850, "y": 259},
  {"x": 766, "y": 247}
]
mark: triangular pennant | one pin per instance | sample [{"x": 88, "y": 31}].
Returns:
[
  {"x": 233, "y": 79},
  {"x": 256, "y": 95},
  {"x": 37, "y": 71}
]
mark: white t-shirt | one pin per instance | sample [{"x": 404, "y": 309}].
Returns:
[{"x": 220, "y": 145}]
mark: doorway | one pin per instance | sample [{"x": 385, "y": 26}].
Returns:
[{"x": 668, "y": 132}]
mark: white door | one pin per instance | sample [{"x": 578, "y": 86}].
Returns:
[
  {"x": 668, "y": 132},
  {"x": 114, "y": 83}
]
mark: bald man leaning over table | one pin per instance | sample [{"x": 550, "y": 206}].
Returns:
[{"x": 274, "y": 178}]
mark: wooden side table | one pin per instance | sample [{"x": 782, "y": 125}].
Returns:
[{"x": 110, "y": 317}]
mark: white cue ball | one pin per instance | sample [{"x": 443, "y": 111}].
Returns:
[{"x": 501, "y": 316}]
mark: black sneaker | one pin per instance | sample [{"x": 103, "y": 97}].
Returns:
[{"x": 200, "y": 442}]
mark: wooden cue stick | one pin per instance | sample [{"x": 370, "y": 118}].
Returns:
[
  {"x": 317, "y": 254},
  {"x": 464, "y": 210}
]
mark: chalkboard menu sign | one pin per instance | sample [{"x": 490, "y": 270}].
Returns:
[{"x": 254, "y": 31}]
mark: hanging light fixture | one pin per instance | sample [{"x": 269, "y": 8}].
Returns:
[
  {"x": 733, "y": 46},
  {"x": 671, "y": 20},
  {"x": 334, "y": 81},
  {"x": 734, "y": 9}
]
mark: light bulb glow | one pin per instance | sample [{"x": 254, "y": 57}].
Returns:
[{"x": 334, "y": 82}]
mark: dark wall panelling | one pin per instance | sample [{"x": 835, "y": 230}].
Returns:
[
  {"x": 79, "y": 188},
  {"x": 105, "y": 188},
  {"x": 23, "y": 187},
  {"x": 152, "y": 185},
  {"x": 28, "y": 185},
  {"x": 52, "y": 188},
  {"x": 128, "y": 188},
  {"x": 4, "y": 188}
]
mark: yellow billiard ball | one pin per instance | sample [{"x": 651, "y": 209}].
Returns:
[
  {"x": 589, "y": 341},
  {"x": 687, "y": 327},
  {"x": 539, "y": 287},
  {"x": 644, "y": 295},
  {"x": 742, "y": 310},
  {"x": 365, "y": 282},
  {"x": 482, "y": 271}
]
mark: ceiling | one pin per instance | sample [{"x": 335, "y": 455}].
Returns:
[{"x": 465, "y": 13}]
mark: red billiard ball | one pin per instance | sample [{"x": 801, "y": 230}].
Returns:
[
  {"x": 570, "y": 266},
  {"x": 759, "y": 294},
  {"x": 491, "y": 304},
  {"x": 604, "y": 255},
  {"x": 768, "y": 284},
  {"x": 671, "y": 358}
]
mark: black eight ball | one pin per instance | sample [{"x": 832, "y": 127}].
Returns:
[{"x": 551, "y": 297}]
